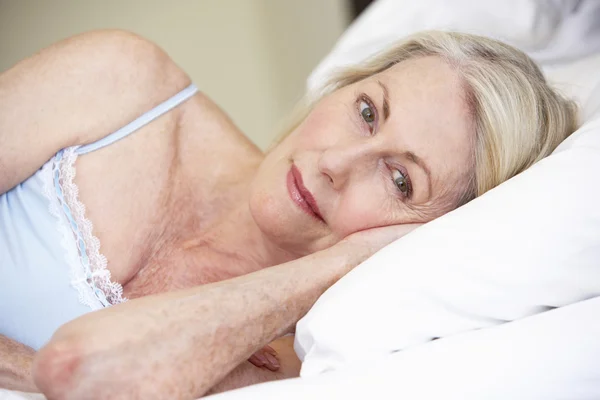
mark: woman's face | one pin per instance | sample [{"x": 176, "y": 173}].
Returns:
[{"x": 392, "y": 149}]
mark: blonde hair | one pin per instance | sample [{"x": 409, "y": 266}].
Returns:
[{"x": 519, "y": 119}]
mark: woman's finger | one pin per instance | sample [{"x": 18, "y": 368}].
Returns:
[
  {"x": 258, "y": 359},
  {"x": 270, "y": 350},
  {"x": 265, "y": 357},
  {"x": 273, "y": 362}
]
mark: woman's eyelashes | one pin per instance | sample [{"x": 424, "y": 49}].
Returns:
[
  {"x": 367, "y": 111},
  {"x": 402, "y": 182}
]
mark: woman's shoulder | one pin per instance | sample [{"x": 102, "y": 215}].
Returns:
[
  {"x": 137, "y": 61},
  {"x": 76, "y": 92},
  {"x": 124, "y": 59}
]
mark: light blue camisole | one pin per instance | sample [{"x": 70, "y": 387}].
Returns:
[{"x": 51, "y": 267}]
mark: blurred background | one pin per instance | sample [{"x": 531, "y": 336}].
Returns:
[{"x": 250, "y": 56}]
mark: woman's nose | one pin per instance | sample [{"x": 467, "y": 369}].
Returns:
[{"x": 340, "y": 162}]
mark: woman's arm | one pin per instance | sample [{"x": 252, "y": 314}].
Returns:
[
  {"x": 76, "y": 92},
  {"x": 178, "y": 345},
  {"x": 16, "y": 361}
]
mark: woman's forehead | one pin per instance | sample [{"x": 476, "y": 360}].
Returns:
[{"x": 429, "y": 78}]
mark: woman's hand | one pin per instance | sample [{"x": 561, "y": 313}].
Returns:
[
  {"x": 247, "y": 374},
  {"x": 265, "y": 357},
  {"x": 365, "y": 243}
]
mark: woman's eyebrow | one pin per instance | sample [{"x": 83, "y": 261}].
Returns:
[
  {"x": 386, "y": 101},
  {"x": 415, "y": 159}
]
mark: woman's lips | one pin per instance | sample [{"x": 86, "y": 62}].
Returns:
[{"x": 301, "y": 195}]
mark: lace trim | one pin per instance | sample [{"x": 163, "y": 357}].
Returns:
[
  {"x": 86, "y": 297},
  {"x": 89, "y": 274}
]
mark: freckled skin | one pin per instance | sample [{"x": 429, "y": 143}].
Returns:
[
  {"x": 191, "y": 245},
  {"x": 210, "y": 341},
  {"x": 339, "y": 165}
]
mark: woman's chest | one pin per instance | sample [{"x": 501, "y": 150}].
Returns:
[
  {"x": 148, "y": 193},
  {"x": 123, "y": 188}
]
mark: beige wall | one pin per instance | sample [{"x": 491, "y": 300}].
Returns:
[{"x": 251, "y": 56}]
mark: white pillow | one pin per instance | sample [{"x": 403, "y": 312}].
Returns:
[
  {"x": 550, "y": 356},
  {"x": 551, "y": 31},
  {"x": 528, "y": 246}
]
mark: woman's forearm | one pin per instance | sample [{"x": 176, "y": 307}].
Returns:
[
  {"x": 16, "y": 360},
  {"x": 180, "y": 344}
]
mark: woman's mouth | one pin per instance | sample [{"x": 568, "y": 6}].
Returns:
[{"x": 301, "y": 195}]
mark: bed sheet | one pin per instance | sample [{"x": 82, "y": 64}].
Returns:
[
  {"x": 551, "y": 356},
  {"x": 14, "y": 395}
]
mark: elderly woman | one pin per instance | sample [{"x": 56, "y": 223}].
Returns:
[{"x": 190, "y": 214}]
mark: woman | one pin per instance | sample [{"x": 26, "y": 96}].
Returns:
[{"x": 189, "y": 213}]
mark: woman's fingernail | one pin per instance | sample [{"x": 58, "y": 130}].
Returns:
[
  {"x": 261, "y": 359},
  {"x": 272, "y": 360}
]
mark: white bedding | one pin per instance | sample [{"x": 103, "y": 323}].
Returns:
[
  {"x": 13, "y": 395},
  {"x": 346, "y": 339},
  {"x": 552, "y": 355},
  {"x": 551, "y": 31}
]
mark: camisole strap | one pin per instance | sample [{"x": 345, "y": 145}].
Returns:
[{"x": 140, "y": 122}]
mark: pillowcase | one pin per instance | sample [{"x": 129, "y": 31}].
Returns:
[
  {"x": 551, "y": 31},
  {"x": 551, "y": 356},
  {"x": 528, "y": 246}
]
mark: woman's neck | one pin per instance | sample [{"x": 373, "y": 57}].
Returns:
[
  {"x": 238, "y": 245},
  {"x": 232, "y": 245}
]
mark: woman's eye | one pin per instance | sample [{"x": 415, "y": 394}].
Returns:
[
  {"x": 401, "y": 181},
  {"x": 367, "y": 113}
]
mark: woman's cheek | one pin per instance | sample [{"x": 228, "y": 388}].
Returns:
[
  {"x": 311, "y": 133},
  {"x": 322, "y": 127},
  {"x": 355, "y": 216}
]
